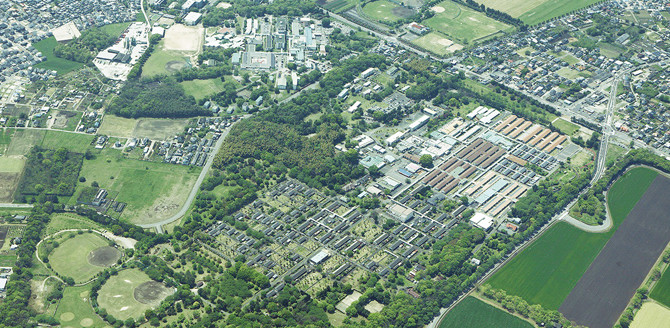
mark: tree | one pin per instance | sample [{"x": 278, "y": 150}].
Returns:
[{"x": 426, "y": 160}]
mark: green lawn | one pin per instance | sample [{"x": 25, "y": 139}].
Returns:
[
  {"x": 553, "y": 8},
  {"x": 463, "y": 24},
  {"x": 200, "y": 89},
  {"x": 63, "y": 221},
  {"x": 381, "y": 11},
  {"x": 661, "y": 290},
  {"x": 115, "y": 29},
  {"x": 75, "y": 309},
  {"x": 116, "y": 295},
  {"x": 546, "y": 271},
  {"x": 474, "y": 313},
  {"x": 75, "y": 142},
  {"x": 60, "y": 65},
  {"x": 11, "y": 164},
  {"x": 153, "y": 191},
  {"x": 117, "y": 126},
  {"x": 156, "y": 64},
  {"x": 70, "y": 259},
  {"x": 567, "y": 128}
]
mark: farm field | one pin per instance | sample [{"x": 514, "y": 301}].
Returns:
[
  {"x": 651, "y": 315},
  {"x": 75, "y": 142},
  {"x": 23, "y": 140},
  {"x": 75, "y": 309},
  {"x": 152, "y": 128},
  {"x": 462, "y": 23},
  {"x": 337, "y": 6},
  {"x": 437, "y": 43},
  {"x": 10, "y": 172},
  {"x": 661, "y": 290},
  {"x": 164, "y": 61},
  {"x": 71, "y": 258},
  {"x": 60, "y": 65},
  {"x": 130, "y": 293},
  {"x": 200, "y": 89},
  {"x": 153, "y": 191},
  {"x": 386, "y": 11},
  {"x": 474, "y": 313},
  {"x": 546, "y": 271},
  {"x": 549, "y": 9},
  {"x": 605, "y": 289}
]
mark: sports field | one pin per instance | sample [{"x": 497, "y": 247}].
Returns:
[
  {"x": 474, "y": 313},
  {"x": 75, "y": 309},
  {"x": 60, "y": 65},
  {"x": 130, "y": 293},
  {"x": 164, "y": 61},
  {"x": 661, "y": 290},
  {"x": 386, "y": 11},
  {"x": 463, "y": 24},
  {"x": 200, "y": 89},
  {"x": 437, "y": 43},
  {"x": 652, "y": 315},
  {"x": 153, "y": 191},
  {"x": 546, "y": 271},
  {"x": 76, "y": 258}
]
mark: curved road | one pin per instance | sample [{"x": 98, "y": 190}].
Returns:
[{"x": 196, "y": 187}]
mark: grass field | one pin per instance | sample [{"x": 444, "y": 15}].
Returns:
[
  {"x": 70, "y": 258},
  {"x": 651, "y": 315},
  {"x": 5, "y": 139},
  {"x": 60, "y": 65},
  {"x": 474, "y": 313},
  {"x": 117, "y": 126},
  {"x": 567, "y": 128},
  {"x": 152, "y": 128},
  {"x": 115, "y": 29},
  {"x": 23, "y": 140},
  {"x": 200, "y": 89},
  {"x": 75, "y": 309},
  {"x": 117, "y": 295},
  {"x": 549, "y": 9},
  {"x": 437, "y": 44},
  {"x": 661, "y": 290},
  {"x": 153, "y": 191},
  {"x": 462, "y": 23},
  {"x": 548, "y": 269},
  {"x": 74, "y": 142},
  {"x": 62, "y": 221},
  {"x": 157, "y": 62},
  {"x": 11, "y": 164},
  {"x": 610, "y": 50},
  {"x": 381, "y": 10}
]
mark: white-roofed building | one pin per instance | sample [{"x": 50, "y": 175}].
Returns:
[{"x": 66, "y": 32}]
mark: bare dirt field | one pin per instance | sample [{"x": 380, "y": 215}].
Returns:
[
  {"x": 104, "y": 256},
  {"x": 609, "y": 283},
  {"x": 184, "y": 38},
  {"x": 150, "y": 292},
  {"x": 8, "y": 183}
]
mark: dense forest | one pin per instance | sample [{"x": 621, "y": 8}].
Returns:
[
  {"x": 84, "y": 48},
  {"x": 49, "y": 172},
  {"x": 282, "y": 133},
  {"x": 160, "y": 97}
]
